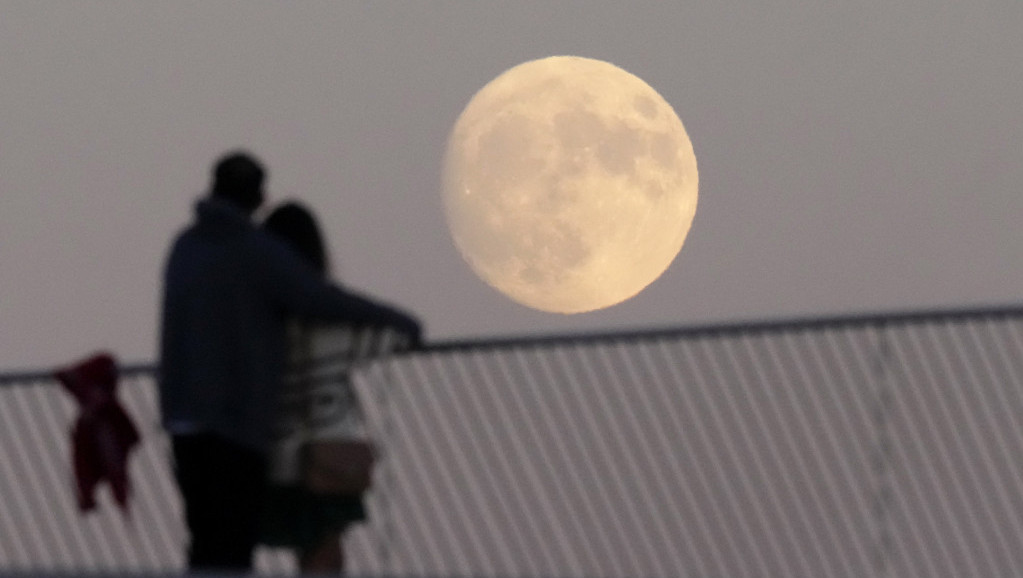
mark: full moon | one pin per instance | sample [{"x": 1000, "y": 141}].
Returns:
[{"x": 569, "y": 184}]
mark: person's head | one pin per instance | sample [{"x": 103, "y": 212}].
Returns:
[
  {"x": 238, "y": 178},
  {"x": 293, "y": 223}
]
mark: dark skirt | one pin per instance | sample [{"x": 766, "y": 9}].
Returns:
[{"x": 296, "y": 518}]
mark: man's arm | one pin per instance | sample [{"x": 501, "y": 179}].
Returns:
[{"x": 302, "y": 291}]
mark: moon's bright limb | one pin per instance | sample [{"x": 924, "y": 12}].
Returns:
[{"x": 569, "y": 184}]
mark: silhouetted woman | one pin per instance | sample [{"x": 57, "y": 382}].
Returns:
[{"x": 313, "y": 524}]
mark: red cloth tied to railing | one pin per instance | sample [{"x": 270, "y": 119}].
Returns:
[{"x": 103, "y": 435}]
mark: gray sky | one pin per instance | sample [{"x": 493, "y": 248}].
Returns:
[{"x": 852, "y": 156}]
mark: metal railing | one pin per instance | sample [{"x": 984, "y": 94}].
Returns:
[{"x": 884, "y": 445}]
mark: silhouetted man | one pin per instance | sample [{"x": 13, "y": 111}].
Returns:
[{"x": 228, "y": 288}]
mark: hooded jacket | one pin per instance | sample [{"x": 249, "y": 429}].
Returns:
[
  {"x": 103, "y": 435},
  {"x": 228, "y": 289}
]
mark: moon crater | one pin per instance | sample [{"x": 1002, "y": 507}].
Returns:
[{"x": 569, "y": 184}]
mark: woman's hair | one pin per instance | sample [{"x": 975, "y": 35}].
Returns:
[{"x": 293, "y": 223}]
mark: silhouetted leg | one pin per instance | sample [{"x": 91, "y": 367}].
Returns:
[
  {"x": 222, "y": 486},
  {"x": 327, "y": 557}
]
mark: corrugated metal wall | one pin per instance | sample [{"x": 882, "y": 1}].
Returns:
[{"x": 882, "y": 446}]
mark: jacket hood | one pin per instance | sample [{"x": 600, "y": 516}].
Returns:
[{"x": 218, "y": 218}]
